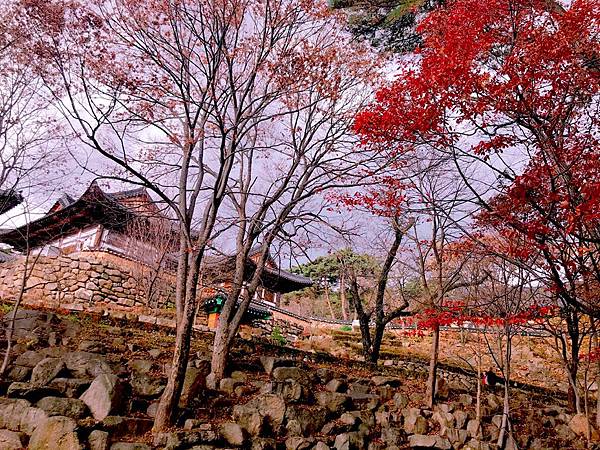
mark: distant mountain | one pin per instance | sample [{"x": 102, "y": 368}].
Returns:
[{"x": 387, "y": 24}]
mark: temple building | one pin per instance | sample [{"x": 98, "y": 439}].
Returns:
[{"x": 130, "y": 227}]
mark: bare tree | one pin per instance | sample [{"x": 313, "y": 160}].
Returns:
[{"x": 178, "y": 97}]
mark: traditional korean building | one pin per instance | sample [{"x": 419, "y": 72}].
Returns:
[
  {"x": 101, "y": 222},
  {"x": 274, "y": 283}
]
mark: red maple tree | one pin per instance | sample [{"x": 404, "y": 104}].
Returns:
[{"x": 509, "y": 89}]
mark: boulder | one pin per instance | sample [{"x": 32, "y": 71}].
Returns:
[
  {"x": 380, "y": 380},
  {"x": 336, "y": 385},
  {"x": 119, "y": 426},
  {"x": 425, "y": 441},
  {"x": 70, "y": 387},
  {"x": 310, "y": 419},
  {"x": 19, "y": 373},
  {"x": 349, "y": 441},
  {"x": 233, "y": 434},
  {"x": 292, "y": 391},
  {"x": 335, "y": 402},
  {"x": 460, "y": 418},
  {"x": 29, "y": 391},
  {"x": 86, "y": 364},
  {"x": 292, "y": 373},
  {"x": 130, "y": 446},
  {"x": 98, "y": 440},
  {"x": 414, "y": 422},
  {"x": 144, "y": 385},
  {"x": 267, "y": 409},
  {"x": 19, "y": 415},
  {"x": 263, "y": 444},
  {"x": 400, "y": 400},
  {"x": 55, "y": 433},
  {"x": 59, "y": 406},
  {"x": 228, "y": 385},
  {"x": 579, "y": 425},
  {"x": 271, "y": 362},
  {"x": 29, "y": 359},
  {"x": 193, "y": 383},
  {"x": 10, "y": 440},
  {"x": 298, "y": 443},
  {"x": 392, "y": 436},
  {"x": 474, "y": 428},
  {"x": 140, "y": 365},
  {"x": 103, "y": 396}
]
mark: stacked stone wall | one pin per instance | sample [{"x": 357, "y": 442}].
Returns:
[{"x": 86, "y": 278}]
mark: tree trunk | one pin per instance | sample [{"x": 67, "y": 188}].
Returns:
[
  {"x": 433, "y": 362},
  {"x": 506, "y": 409},
  {"x": 166, "y": 412},
  {"x": 573, "y": 396},
  {"x": 376, "y": 342},
  {"x": 329, "y": 301},
  {"x": 343, "y": 299},
  {"x": 219, "y": 357}
]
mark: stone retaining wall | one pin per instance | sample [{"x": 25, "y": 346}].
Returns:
[{"x": 86, "y": 278}]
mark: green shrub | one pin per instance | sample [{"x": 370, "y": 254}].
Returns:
[
  {"x": 346, "y": 328},
  {"x": 277, "y": 337}
]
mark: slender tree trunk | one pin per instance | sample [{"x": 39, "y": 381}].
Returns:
[
  {"x": 328, "y": 300},
  {"x": 376, "y": 342},
  {"x": 433, "y": 363},
  {"x": 343, "y": 299},
  {"x": 573, "y": 396},
  {"x": 166, "y": 412},
  {"x": 219, "y": 356},
  {"x": 506, "y": 409}
]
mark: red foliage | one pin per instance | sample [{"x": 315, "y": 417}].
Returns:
[{"x": 515, "y": 77}]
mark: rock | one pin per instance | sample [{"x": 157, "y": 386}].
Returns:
[
  {"x": 298, "y": 443},
  {"x": 461, "y": 418},
  {"x": 130, "y": 446},
  {"x": 494, "y": 402},
  {"x": 59, "y": 406},
  {"x": 193, "y": 383},
  {"x": 321, "y": 446},
  {"x": 98, "y": 440},
  {"x": 335, "y": 402},
  {"x": 29, "y": 391},
  {"x": 455, "y": 436},
  {"x": 442, "y": 390},
  {"x": 70, "y": 387},
  {"x": 364, "y": 400},
  {"x": 474, "y": 428},
  {"x": 103, "y": 396},
  {"x": 336, "y": 385},
  {"x": 465, "y": 399},
  {"x": 424, "y": 441},
  {"x": 579, "y": 425},
  {"x": 233, "y": 434},
  {"x": 18, "y": 415},
  {"x": 392, "y": 436},
  {"x": 445, "y": 419},
  {"x": 151, "y": 411},
  {"x": 228, "y": 385},
  {"x": 414, "y": 422},
  {"x": 140, "y": 365},
  {"x": 154, "y": 353},
  {"x": 46, "y": 370},
  {"x": 291, "y": 373},
  {"x": 270, "y": 362},
  {"x": 349, "y": 441},
  {"x": 263, "y": 444},
  {"x": 268, "y": 409},
  {"x": 474, "y": 444},
  {"x": 86, "y": 365},
  {"x": 29, "y": 359},
  {"x": 380, "y": 380},
  {"x": 10, "y": 440},
  {"x": 292, "y": 391},
  {"x": 400, "y": 400},
  {"x": 56, "y": 433},
  {"x": 310, "y": 419},
  {"x": 119, "y": 426},
  {"x": 91, "y": 346},
  {"x": 239, "y": 376},
  {"x": 19, "y": 373},
  {"x": 185, "y": 439},
  {"x": 144, "y": 385}
]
